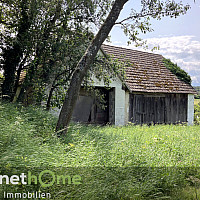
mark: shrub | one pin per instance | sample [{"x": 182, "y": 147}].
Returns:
[
  {"x": 175, "y": 69},
  {"x": 197, "y": 114}
]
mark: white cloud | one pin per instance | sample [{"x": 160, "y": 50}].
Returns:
[
  {"x": 196, "y": 79},
  {"x": 183, "y": 50}
]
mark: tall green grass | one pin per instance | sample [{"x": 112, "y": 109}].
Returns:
[{"x": 130, "y": 162}]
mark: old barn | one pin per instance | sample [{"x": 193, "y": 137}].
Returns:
[{"x": 152, "y": 94}]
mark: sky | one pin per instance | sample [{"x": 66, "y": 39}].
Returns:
[{"x": 178, "y": 39}]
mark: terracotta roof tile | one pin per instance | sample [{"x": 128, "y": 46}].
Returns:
[
  {"x": 22, "y": 77},
  {"x": 148, "y": 72}
]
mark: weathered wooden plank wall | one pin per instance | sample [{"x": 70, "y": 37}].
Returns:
[{"x": 158, "y": 108}]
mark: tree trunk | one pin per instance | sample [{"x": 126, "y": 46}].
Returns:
[
  {"x": 84, "y": 65},
  {"x": 12, "y": 56},
  {"x": 48, "y": 106}
]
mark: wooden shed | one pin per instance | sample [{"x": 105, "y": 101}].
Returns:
[{"x": 152, "y": 93}]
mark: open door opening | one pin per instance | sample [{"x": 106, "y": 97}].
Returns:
[{"x": 88, "y": 110}]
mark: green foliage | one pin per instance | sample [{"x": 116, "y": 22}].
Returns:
[
  {"x": 1, "y": 77},
  {"x": 131, "y": 162},
  {"x": 175, "y": 69},
  {"x": 197, "y": 96},
  {"x": 41, "y": 37},
  {"x": 197, "y": 114},
  {"x": 197, "y": 88}
]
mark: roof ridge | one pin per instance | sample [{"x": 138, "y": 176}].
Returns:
[{"x": 132, "y": 49}]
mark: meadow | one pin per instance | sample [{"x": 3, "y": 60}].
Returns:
[{"x": 130, "y": 162}]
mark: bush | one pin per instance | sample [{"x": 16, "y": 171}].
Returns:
[
  {"x": 176, "y": 70},
  {"x": 197, "y": 96},
  {"x": 197, "y": 114}
]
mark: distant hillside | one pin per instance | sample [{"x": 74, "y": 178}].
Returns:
[{"x": 197, "y": 88}]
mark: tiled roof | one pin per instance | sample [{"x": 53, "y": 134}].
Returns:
[
  {"x": 147, "y": 72},
  {"x": 22, "y": 77}
]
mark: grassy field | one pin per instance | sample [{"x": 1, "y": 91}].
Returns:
[{"x": 130, "y": 162}]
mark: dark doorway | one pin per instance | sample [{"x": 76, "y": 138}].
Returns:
[{"x": 89, "y": 109}]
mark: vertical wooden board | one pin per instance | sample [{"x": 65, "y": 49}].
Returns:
[
  {"x": 143, "y": 109},
  {"x": 147, "y": 112},
  {"x": 159, "y": 109},
  {"x": 139, "y": 107},
  {"x": 175, "y": 104},
  {"x": 168, "y": 107},
  {"x": 162, "y": 110},
  {"x": 145, "y": 116},
  {"x": 186, "y": 108},
  {"x": 171, "y": 109},
  {"x": 152, "y": 110},
  {"x": 134, "y": 108},
  {"x": 139, "y": 111},
  {"x": 173, "y": 114},
  {"x": 177, "y": 108},
  {"x": 181, "y": 108},
  {"x": 165, "y": 110},
  {"x": 185, "y": 105},
  {"x": 130, "y": 108},
  {"x": 174, "y": 109},
  {"x": 155, "y": 111}
]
